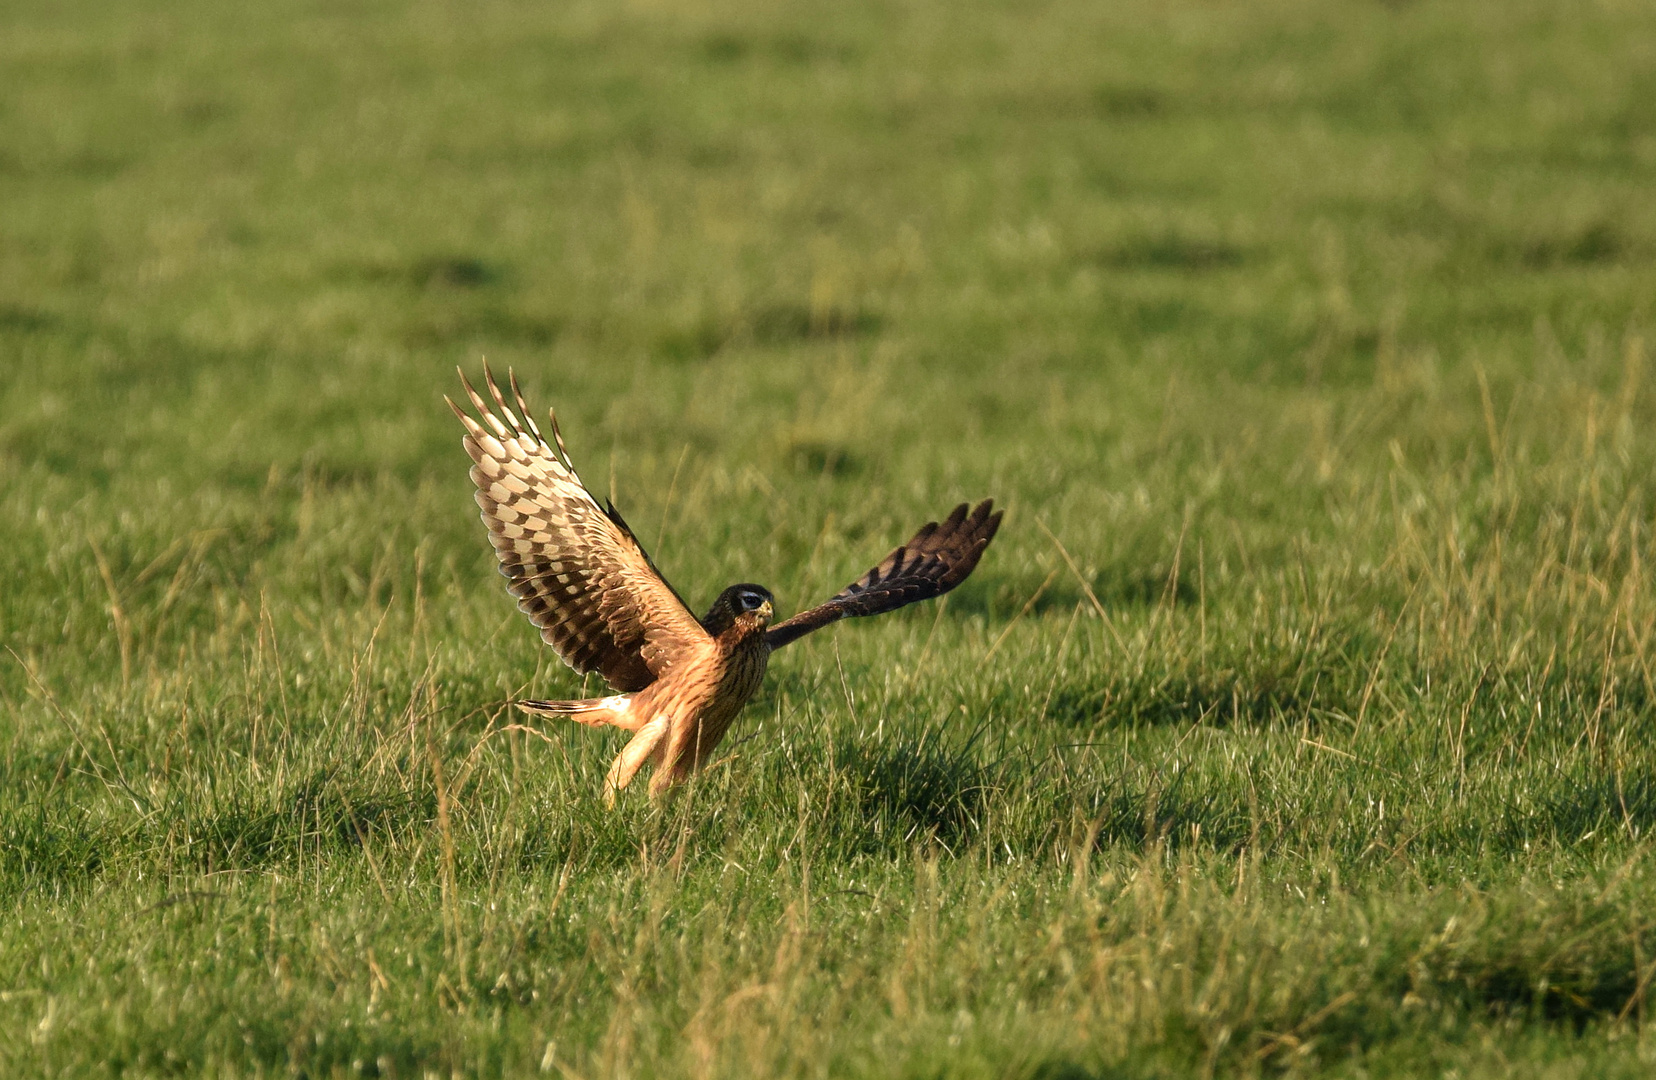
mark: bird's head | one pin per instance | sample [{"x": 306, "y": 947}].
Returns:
[{"x": 747, "y": 605}]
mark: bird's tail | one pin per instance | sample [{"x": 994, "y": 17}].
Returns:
[{"x": 594, "y": 711}]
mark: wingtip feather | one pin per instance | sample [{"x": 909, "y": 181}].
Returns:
[
  {"x": 500, "y": 399},
  {"x": 482, "y": 406},
  {"x": 523, "y": 407}
]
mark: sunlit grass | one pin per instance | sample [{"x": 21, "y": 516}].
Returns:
[{"x": 1298, "y": 720}]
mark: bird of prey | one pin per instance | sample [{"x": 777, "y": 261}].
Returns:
[{"x": 584, "y": 580}]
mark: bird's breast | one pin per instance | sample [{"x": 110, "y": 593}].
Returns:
[
  {"x": 744, "y": 668},
  {"x": 714, "y": 685}
]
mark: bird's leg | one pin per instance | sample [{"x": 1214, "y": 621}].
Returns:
[
  {"x": 638, "y": 749},
  {"x": 683, "y": 754}
]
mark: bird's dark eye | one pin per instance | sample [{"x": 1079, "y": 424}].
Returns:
[{"x": 750, "y": 601}]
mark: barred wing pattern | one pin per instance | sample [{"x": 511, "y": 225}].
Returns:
[
  {"x": 576, "y": 569},
  {"x": 939, "y": 557}
]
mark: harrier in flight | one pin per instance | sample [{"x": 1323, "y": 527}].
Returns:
[{"x": 582, "y": 577}]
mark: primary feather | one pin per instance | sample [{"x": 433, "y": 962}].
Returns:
[
  {"x": 935, "y": 560},
  {"x": 576, "y": 569}
]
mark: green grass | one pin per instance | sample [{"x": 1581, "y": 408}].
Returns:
[{"x": 1300, "y": 720}]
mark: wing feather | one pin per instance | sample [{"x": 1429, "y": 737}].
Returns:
[
  {"x": 935, "y": 560},
  {"x": 574, "y": 566}
]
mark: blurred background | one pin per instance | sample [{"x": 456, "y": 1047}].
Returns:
[
  {"x": 1299, "y": 713},
  {"x": 1055, "y": 249}
]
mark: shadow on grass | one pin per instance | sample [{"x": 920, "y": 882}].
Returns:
[
  {"x": 1219, "y": 699},
  {"x": 40, "y": 848},
  {"x": 21, "y": 320},
  {"x": 786, "y": 49},
  {"x": 1598, "y": 243},
  {"x": 455, "y": 323},
  {"x": 774, "y": 326},
  {"x": 317, "y": 815},
  {"x": 819, "y": 458},
  {"x": 909, "y": 788},
  {"x": 1002, "y": 595},
  {"x": 1052, "y": 1068},
  {"x": 915, "y": 789},
  {"x": 1173, "y": 813},
  {"x": 435, "y": 271},
  {"x": 1130, "y": 102},
  {"x": 1499, "y": 970},
  {"x": 1169, "y": 251},
  {"x": 1577, "y": 807}
]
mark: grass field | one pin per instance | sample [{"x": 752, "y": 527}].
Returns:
[{"x": 1299, "y": 721}]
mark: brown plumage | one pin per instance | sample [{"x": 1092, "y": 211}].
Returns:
[{"x": 584, "y": 580}]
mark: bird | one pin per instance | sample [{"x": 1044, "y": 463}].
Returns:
[{"x": 584, "y": 580}]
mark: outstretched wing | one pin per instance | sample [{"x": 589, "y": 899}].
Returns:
[
  {"x": 576, "y": 569},
  {"x": 938, "y": 558}
]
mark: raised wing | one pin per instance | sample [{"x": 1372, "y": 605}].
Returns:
[
  {"x": 939, "y": 557},
  {"x": 576, "y": 569}
]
